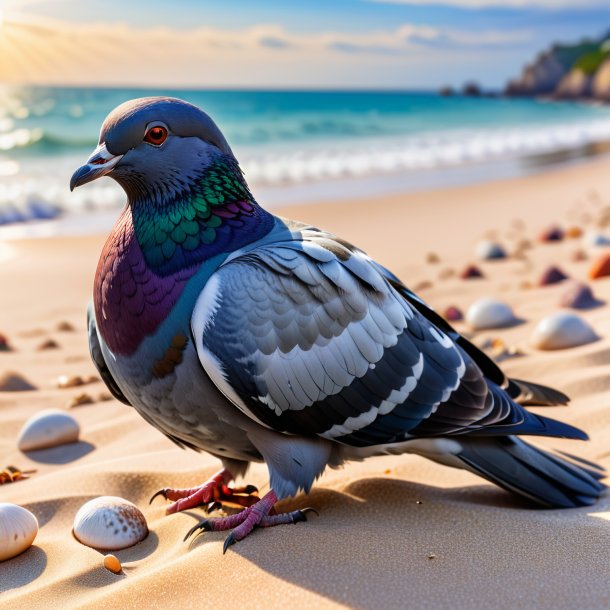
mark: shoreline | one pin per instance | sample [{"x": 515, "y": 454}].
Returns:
[{"x": 282, "y": 199}]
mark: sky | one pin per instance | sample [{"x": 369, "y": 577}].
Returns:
[{"x": 395, "y": 44}]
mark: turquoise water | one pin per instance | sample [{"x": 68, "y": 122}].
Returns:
[{"x": 289, "y": 138}]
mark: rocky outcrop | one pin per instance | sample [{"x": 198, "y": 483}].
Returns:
[
  {"x": 539, "y": 78},
  {"x": 575, "y": 85},
  {"x": 601, "y": 82},
  {"x": 576, "y": 71}
]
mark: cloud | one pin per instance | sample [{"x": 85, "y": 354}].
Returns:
[
  {"x": 527, "y": 4},
  {"x": 61, "y": 53}
]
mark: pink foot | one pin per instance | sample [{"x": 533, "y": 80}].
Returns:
[
  {"x": 257, "y": 515},
  {"x": 213, "y": 492}
]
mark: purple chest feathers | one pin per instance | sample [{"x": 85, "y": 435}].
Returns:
[{"x": 131, "y": 301}]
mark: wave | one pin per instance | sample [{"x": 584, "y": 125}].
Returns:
[
  {"x": 425, "y": 151},
  {"x": 38, "y": 142},
  {"x": 39, "y": 189}
]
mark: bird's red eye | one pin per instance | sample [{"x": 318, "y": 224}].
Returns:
[{"x": 156, "y": 135}]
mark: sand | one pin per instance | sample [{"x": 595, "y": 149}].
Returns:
[{"x": 393, "y": 532}]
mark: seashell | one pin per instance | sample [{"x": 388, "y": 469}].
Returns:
[
  {"x": 579, "y": 296},
  {"x": 573, "y": 232},
  {"x": 5, "y": 346},
  {"x": 14, "y": 382},
  {"x": 488, "y": 251},
  {"x": 113, "y": 564},
  {"x": 11, "y": 474},
  {"x": 600, "y": 267},
  {"x": 453, "y": 314},
  {"x": 553, "y": 233},
  {"x": 433, "y": 258},
  {"x": 65, "y": 327},
  {"x": 489, "y": 313},
  {"x": 561, "y": 330},
  {"x": 48, "y": 428},
  {"x": 80, "y": 399},
  {"x": 18, "y": 528},
  {"x": 470, "y": 272},
  {"x": 109, "y": 523},
  {"x": 48, "y": 344},
  {"x": 553, "y": 275}
]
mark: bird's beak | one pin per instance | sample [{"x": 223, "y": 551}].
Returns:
[{"x": 100, "y": 163}]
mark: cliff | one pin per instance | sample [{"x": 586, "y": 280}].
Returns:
[{"x": 578, "y": 71}]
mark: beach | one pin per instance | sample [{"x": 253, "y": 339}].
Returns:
[{"x": 392, "y": 532}]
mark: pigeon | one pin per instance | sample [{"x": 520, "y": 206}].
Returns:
[{"x": 260, "y": 339}]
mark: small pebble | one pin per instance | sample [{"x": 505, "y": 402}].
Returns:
[
  {"x": 471, "y": 272},
  {"x": 80, "y": 399},
  {"x": 551, "y": 234},
  {"x": 104, "y": 396},
  {"x": 553, "y": 275},
  {"x": 579, "y": 296},
  {"x": 489, "y": 251},
  {"x": 48, "y": 344},
  {"x": 574, "y": 232},
  {"x": 65, "y": 327},
  {"x": 113, "y": 564},
  {"x": 578, "y": 256},
  {"x": 425, "y": 285},
  {"x": 14, "y": 382},
  {"x": 73, "y": 381},
  {"x": 4, "y": 344},
  {"x": 69, "y": 381},
  {"x": 600, "y": 267},
  {"x": 433, "y": 258},
  {"x": 453, "y": 314}
]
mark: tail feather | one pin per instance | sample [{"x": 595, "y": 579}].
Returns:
[
  {"x": 530, "y": 394},
  {"x": 519, "y": 467},
  {"x": 595, "y": 470}
]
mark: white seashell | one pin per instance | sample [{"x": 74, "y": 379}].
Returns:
[
  {"x": 48, "y": 428},
  {"x": 109, "y": 523},
  {"x": 489, "y": 313},
  {"x": 18, "y": 528},
  {"x": 489, "y": 250},
  {"x": 561, "y": 330}
]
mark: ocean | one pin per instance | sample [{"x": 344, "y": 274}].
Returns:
[{"x": 294, "y": 146}]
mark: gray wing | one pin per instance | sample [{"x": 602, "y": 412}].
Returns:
[
  {"x": 308, "y": 337},
  {"x": 95, "y": 349}
]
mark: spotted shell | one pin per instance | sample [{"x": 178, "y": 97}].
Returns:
[
  {"x": 489, "y": 313},
  {"x": 562, "y": 330},
  {"x": 18, "y": 528},
  {"x": 109, "y": 523},
  {"x": 48, "y": 428}
]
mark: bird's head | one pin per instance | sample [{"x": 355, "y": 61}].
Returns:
[{"x": 154, "y": 147}]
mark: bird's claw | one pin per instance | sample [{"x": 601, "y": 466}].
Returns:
[
  {"x": 229, "y": 540},
  {"x": 301, "y": 515},
  {"x": 161, "y": 492},
  {"x": 204, "y": 526}
]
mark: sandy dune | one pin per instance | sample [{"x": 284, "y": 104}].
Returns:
[{"x": 395, "y": 532}]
